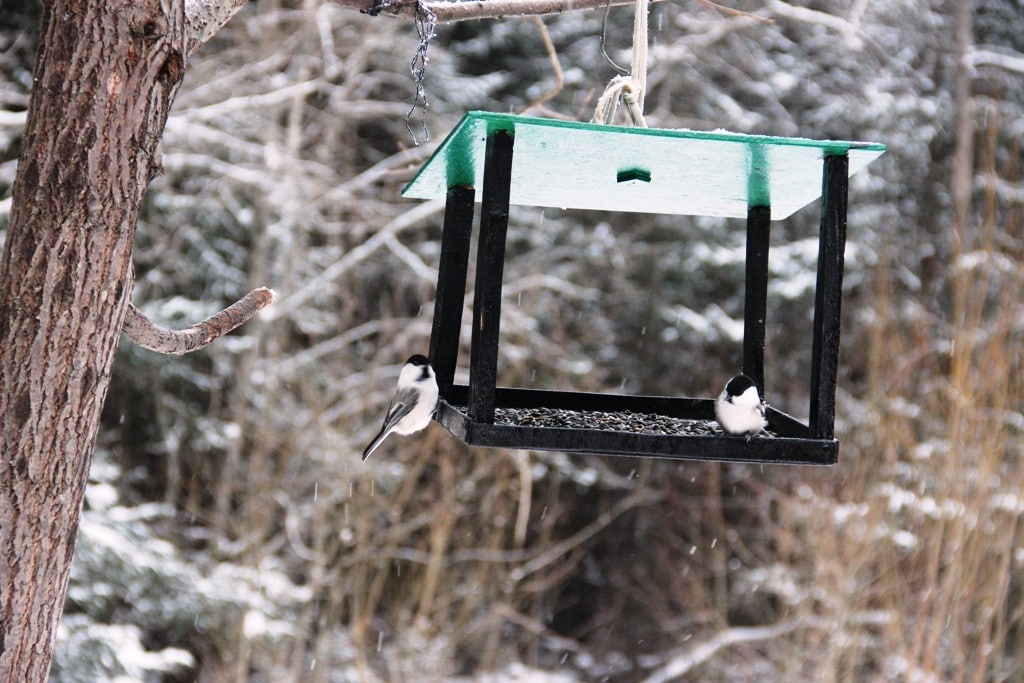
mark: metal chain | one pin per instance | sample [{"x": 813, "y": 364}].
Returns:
[
  {"x": 604, "y": 36},
  {"x": 426, "y": 20}
]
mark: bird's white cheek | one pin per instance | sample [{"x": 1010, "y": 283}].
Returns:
[{"x": 748, "y": 398}]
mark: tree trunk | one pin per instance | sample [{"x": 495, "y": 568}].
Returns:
[{"x": 106, "y": 73}]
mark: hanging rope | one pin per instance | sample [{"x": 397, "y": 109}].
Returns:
[{"x": 629, "y": 89}]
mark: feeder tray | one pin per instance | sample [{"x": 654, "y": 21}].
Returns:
[{"x": 540, "y": 162}]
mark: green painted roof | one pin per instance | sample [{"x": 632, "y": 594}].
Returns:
[{"x": 575, "y": 165}]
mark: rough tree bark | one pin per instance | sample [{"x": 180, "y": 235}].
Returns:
[{"x": 106, "y": 73}]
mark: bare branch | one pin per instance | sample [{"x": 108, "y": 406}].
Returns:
[
  {"x": 562, "y": 548},
  {"x": 850, "y": 32},
  {"x": 203, "y": 18},
  {"x": 357, "y": 254},
  {"x": 549, "y": 47},
  {"x": 478, "y": 9},
  {"x": 538, "y": 628},
  {"x": 681, "y": 664},
  {"x": 13, "y": 119},
  {"x": 150, "y": 335},
  {"x": 732, "y": 12}
]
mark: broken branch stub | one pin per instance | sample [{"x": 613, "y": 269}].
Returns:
[{"x": 154, "y": 337}]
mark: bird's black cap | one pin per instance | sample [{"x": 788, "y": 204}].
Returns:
[
  {"x": 418, "y": 359},
  {"x": 738, "y": 384}
]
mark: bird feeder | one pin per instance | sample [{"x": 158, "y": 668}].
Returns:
[{"x": 549, "y": 163}]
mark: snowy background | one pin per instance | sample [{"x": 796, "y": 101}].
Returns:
[{"x": 231, "y": 532}]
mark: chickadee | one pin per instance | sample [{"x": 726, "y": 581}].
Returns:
[
  {"x": 414, "y": 402},
  {"x": 739, "y": 408}
]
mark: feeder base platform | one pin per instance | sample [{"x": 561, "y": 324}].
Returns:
[{"x": 637, "y": 426}]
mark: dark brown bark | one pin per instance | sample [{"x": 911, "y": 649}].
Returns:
[{"x": 106, "y": 73}]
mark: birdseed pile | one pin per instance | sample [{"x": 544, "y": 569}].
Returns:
[{"x": 626, "y": 421}]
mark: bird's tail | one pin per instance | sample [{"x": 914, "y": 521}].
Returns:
[{"x": 377, "y": 440}]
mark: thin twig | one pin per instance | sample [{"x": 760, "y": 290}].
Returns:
[
  {"x": 549, "y": 48},
  {"x": 357, "y": 254},
  {"x": 538, "y": 629},
  {"x": 641, "y": 497},
  {"x": 149, "y": 335},
  {"x": 681, "y": 664}
]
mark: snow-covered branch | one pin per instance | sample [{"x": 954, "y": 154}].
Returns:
[
  {"x": 357, "y": 254},
  {"x": 849, "y": 31},
  {"x": 477, "y": 9},
  {"x": 683, "y": 663},
  {"x": 203, "y": 18},
  {"x": 982, "y": 57}
]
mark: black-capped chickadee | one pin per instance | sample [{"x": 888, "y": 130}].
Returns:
[
  {"x": 739, "y": 408},
  {"x": 414, "y": 402}
]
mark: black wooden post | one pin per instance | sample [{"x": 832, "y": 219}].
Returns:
[
  {"x": 756, "y": 301},
  {"x": 490, "y": 262},
  {"x": 828, "y": 296},
  {"x": 451, "y": 284}
]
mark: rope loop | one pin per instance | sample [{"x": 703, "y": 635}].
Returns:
[{"x": 631, "y": 88}]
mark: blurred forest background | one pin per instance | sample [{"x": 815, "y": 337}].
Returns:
[{"x": 231, "y": 532}]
